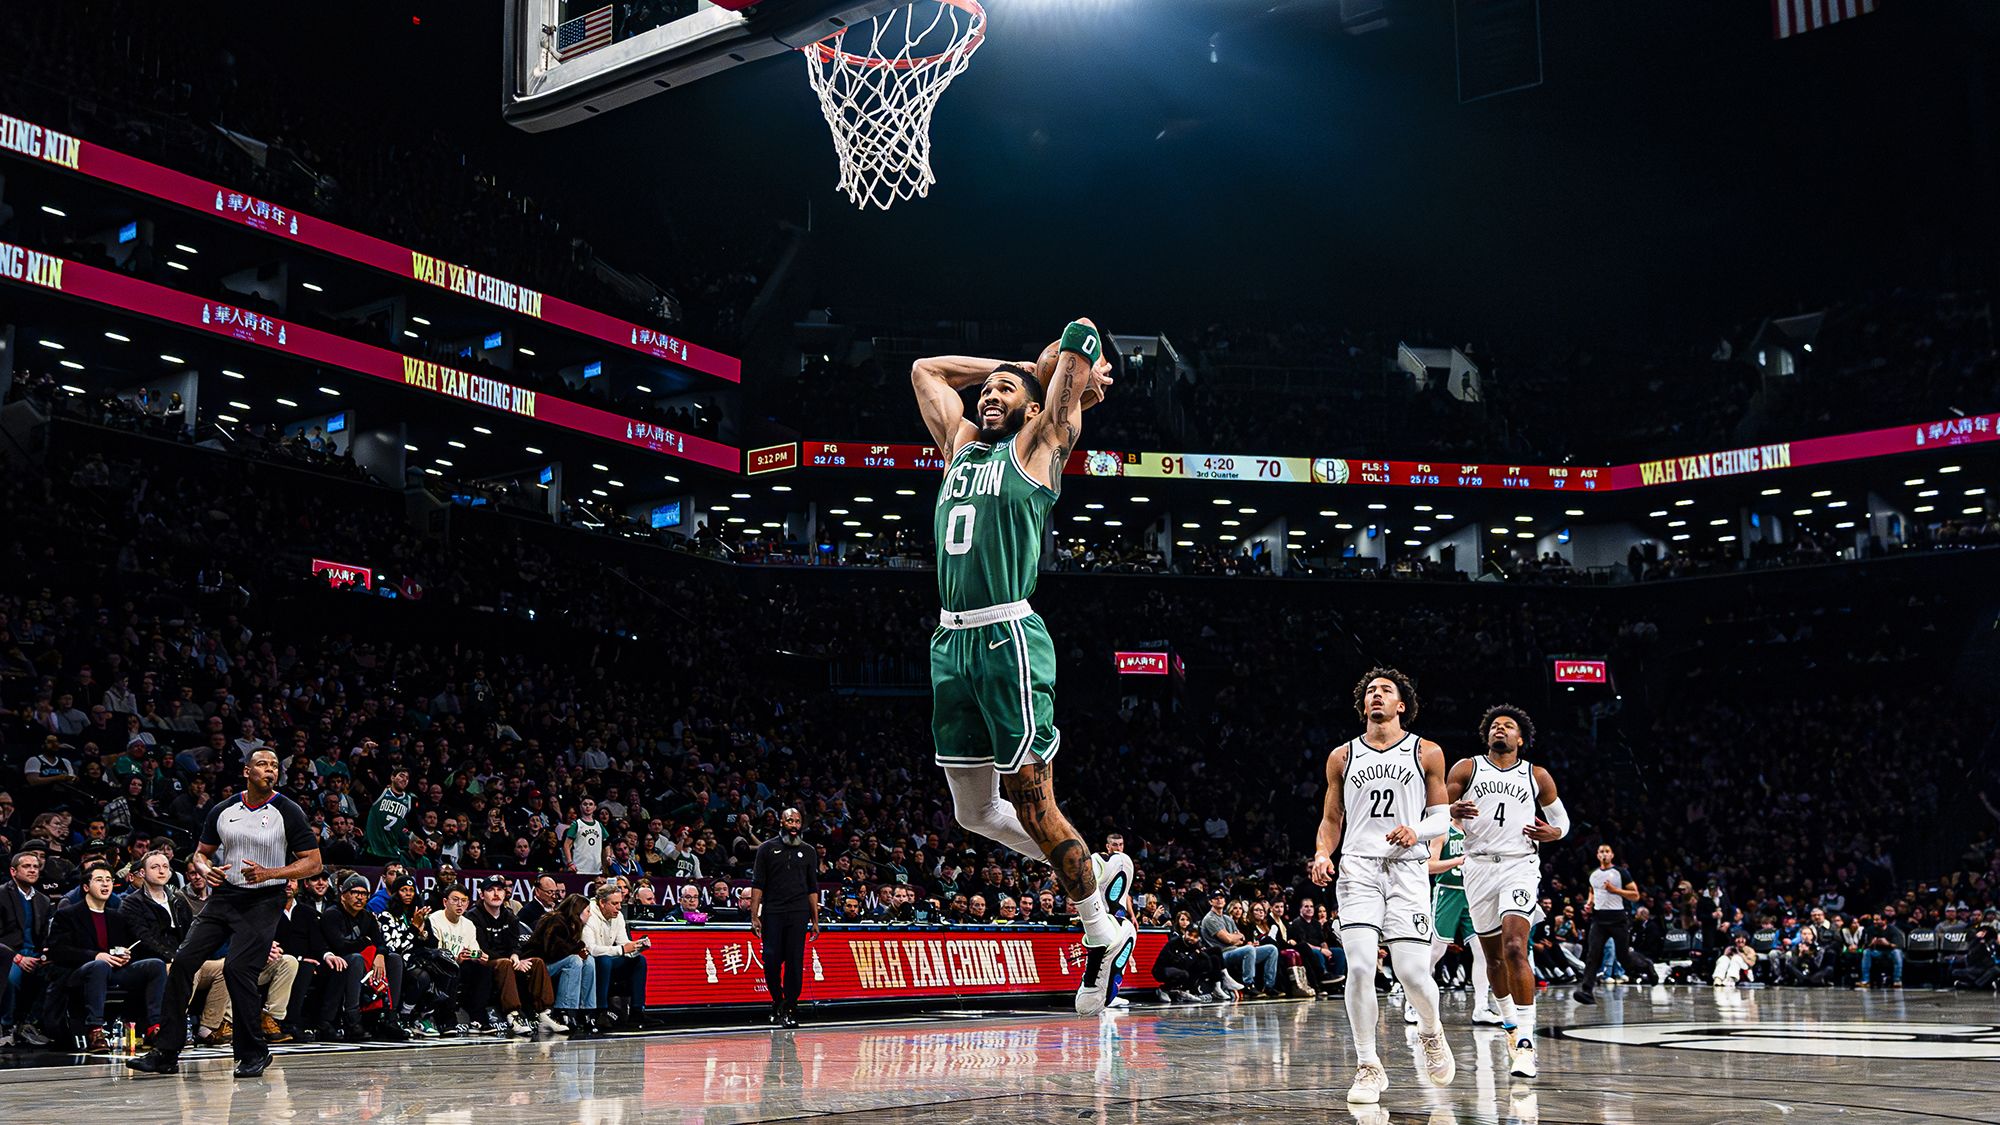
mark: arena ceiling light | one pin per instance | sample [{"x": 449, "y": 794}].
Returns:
[
  {"x": 615, "y": 483},
  {"x": 117, "y": 337},
  {"x": 1950, "y": 468},
  {"x": 1419, "y": 527},
  {"x": 1972, "y": 511},
  {"x": 52, "y": 345},
  {"x": 448, "y": 465},
  {"x": 1524, "y": 519},
  {"x": 781, "y": 488},
  {"x": 1142, "y": 499},
  {"x": 771, "y": 523},
  {"x": 1227, "y": 538},
  {"x": 314, "y": 288},
  {"x": 1218, "y": 500},
  {"x": 1378, "y": 507},
  {"x": 177, "y": 265},
  {"x": 1681, "y": 536},
  {"x": 1802, "y": 511},
  {"x": 899, "y": 492},
  {"x": 1095, "y": 507},
  {"x": 1771, "y": 491},
  {"x": 72, "y": 364},
  {"x": 739, "y": 496},
  {"x": 532, "y": 450},
  {"x": 1927, "y": 493},
  {"x": 1498, "y": 530},
  {"x": 1343, "y": 527},
  {"x": 600, "y": 492},
  {"x": 432, "y": 471},
  {"x": 233, "y": 374},
  {"x": 864, "y": 535},
  {"x": 1924, "y": 508},
  {"x": 1531, "y": 535},
  {"x": 836, "y": 511},
  {"x": 1656, "y": 515},
  {"x": 1232, "y": 523},
  {"x": 411, "y": 335},
  {"x": 891, "y": 516},
  {"x": 287, "y": 402},
  {"x": 600, "y": 468},
  {"x": 1114, "y": 523},
  {"x": 227, "y": 418},
  {"x": 1822, "y": 494},
  {"x": 671, "y": 478},
  {"x": 1843, "y": 525},
  {"x": 246, "y": 406},
  {"x": 455, "y": 444},
  {"x": 1079, "y": 519},
  {"x": 1246, "y": 511},
  {"x": 185, "y": 248},
  {"x": 1572, "y": 511},
  {"x": 1328, "y": 512},
  {"x": 1682, "y": 503},
  {"x": 642, "y": 389},
  {"x": 1725, "y": 539},
  {"x": 1913, "y": 482},
  {"x": 718, "y": 507},
  {"x": 73, "y": 388},
  {"x": 329, "y": 391},
  {"x": 526, "y": 351},
  {"x": 864, "y": 499},
  {"x": 421, "y": 320},
  {"x": 56, "y": 211},
  {"x": 1446, "y": 516},
  {"x": 482, "y": 430},
  {"x": 1296, "y": 531},
  {"x": 1836, "y": 503},
  {"x": 1413, "y": 542},
  {"x": 1718, "y": 523},
  {"x": 409, "y": 448},
  {"x": 1975, "y": 492},
  {"x": 850, "y": 523},
  {"x": 1183, "y": 542},
  {"x": 1421, "y": 508},
  {"x": 1191, "y": 526}
]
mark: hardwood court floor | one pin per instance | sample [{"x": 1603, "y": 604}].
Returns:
[{"x": 1668, "y": 1056}]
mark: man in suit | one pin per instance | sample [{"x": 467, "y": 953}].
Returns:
[{"x": 25, "y": 916}]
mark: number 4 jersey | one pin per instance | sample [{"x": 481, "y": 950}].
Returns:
[
  {"x": 990, "y": 522},
  {"x": 1506, "y": 800}
]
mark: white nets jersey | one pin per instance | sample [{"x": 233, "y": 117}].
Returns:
[
  {"x": 1382, "y": 789},
  {"x": 1506, "y": 800}
]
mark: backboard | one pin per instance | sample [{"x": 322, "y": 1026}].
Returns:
[{"x": 570, "y": 60}]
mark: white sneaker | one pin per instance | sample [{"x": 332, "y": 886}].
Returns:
[
  {"x": 1409, "y": 1013},
  {"x": 1486, "y": 1016},
  {"x": 1100, "y": 964},
  {"x": 1439, "y": 1067},
  {"x": 1523, "y": 1053},
  {"x": 550, "y": 1024},
  {"x": 1230, "y": 982},
  {"x": 1221, "y": 994},
  {"x": 1119, "y": 1002},
  {"x": 517, "y": 1024},
  {"x": 1114, "y": 878},
  {"x": 1369, "y": 1082}
]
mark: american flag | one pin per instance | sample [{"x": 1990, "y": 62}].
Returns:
[
  {"x": 587, "y": 33},
  {"x": 1796, "y": 17}
]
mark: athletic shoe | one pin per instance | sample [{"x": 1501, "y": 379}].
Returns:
[
  {"x": 153, "y": 1062},
  {"x": 1523, "y": 1054},
  {"x": 517, "y": 1024},
  {"x": 550, "y": 1024},
  {"x": 1219, "y": 994},
  {"x": 1410, "y": 1013},
  {"x": 1439, "y": 1067},
  {"x": 1369, "y": 1082},
  {"x": 6, "y": 1037},
  {"x": 1100, "y": 965},
  {"x": 221, "y": 1035},
  {"x": 426, "y": 1028},
  {"x": 1487, "y": 1016},
  {"x": 1583, "y": 998},
  {"x": 1114, "y": 878},
  {"x": 1119, "y": 1002},
  {"x": 1230, "y": 982}
]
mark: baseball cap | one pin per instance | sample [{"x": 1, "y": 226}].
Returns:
[{"x": 492, "y": 881}]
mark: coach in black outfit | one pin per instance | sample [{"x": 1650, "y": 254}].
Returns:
[
  {"x": 243, "y": 850},
  {"x": 783, "y": 903},
  {"x": 1611, "y": 887}
]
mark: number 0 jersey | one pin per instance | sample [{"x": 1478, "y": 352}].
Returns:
[
  {"x": 989, "y": 526},
  {"x": 1506, "y": 800},
  {"x": 1382, "y": 789}
]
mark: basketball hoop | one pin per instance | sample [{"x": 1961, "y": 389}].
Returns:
[{"x": 878, "y": 102}]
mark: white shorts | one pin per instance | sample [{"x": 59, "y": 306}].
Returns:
[
  {"x": 1390, "y": 896},
  {"x": 1498, "y": 886}
]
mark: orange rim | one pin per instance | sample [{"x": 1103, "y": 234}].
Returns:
[{"x": 827, "y": 53}]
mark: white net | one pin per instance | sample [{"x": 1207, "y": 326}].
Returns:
[{"x": 878, "y": 101}]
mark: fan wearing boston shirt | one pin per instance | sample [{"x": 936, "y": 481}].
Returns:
[
  {"x": 243, "y": 853},
  {"x": 1384, "y": 802},
  {"x": 993, "y": 666}
]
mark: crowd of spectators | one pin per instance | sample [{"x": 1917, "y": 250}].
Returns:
[{"x": 157, "y": 623}]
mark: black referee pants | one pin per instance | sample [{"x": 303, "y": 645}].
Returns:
[
  {"x": 785, "y": 957},
  {"x": 1605, "y": 925},
  {"x": 247, "y": 922}
]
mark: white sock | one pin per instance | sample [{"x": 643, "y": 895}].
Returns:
[
  {"x": 1526, "y": 1030},
  {"x": 1420, "y": 989},
  {"x": 1364, "y": 1011},
  {"x": 978, "y": 807},
  {"x": 1482, "y": 986},
  {"x": 1099, "y": 927},
  {"x": 1508, "y": 1009}
]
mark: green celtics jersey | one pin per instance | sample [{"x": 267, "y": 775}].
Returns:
[
  {"x": 1454, "y": 848},
  {"x": 990, "y": 523}
]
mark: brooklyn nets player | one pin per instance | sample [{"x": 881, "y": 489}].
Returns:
[
  {"x": 1384, "y": 800},
  {"x": 1502, "y": 800}
]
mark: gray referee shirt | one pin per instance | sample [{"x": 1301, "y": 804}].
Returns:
[
  {"x": 267, "y": 835},
  {"x": 1601, "y": 882}
]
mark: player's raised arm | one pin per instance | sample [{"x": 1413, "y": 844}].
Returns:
[
  {"x": 1332, "y": 819},
  {"x": 937, "y": 381},
  {"x": 1079, "y": 380}
]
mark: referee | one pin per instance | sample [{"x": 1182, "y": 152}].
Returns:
[
  {"x": 1610, "y": 889},
  {"x": 244, "y": 844},
  {"x": 783, "y": 903}
]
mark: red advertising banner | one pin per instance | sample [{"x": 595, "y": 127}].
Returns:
[
  {"x": 110, "y": 166},
  {"x": 89, "y": 283},
  {"x": 1141, "y": 663},
  {"x": 725, "y": 964},
  {"x": 344, "y": 574},
  {"x": 1569, "y": 671}
]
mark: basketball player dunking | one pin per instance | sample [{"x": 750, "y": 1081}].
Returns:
[
  {"x": 1502, "y": 800},
  {"x": 993, "y": 667},
  {"x": 1384, "y": 800}
]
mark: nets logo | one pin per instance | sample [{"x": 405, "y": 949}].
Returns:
[{"x": 1520, "y": 898}]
